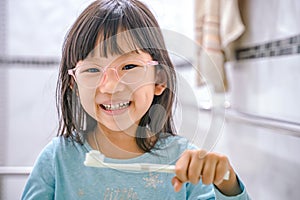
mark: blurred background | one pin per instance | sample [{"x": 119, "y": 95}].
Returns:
[{"x": 261, "y": 128}]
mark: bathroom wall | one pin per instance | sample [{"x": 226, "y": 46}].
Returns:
[
  {"x": 268, "y": 55},
  {"x": 31, "y": 35},
  {"x": 3, "y": 88},
  {"x": 262, "y": 130}
]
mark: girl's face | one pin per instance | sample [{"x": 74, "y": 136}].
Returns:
[{"x": 115, "y": 104}]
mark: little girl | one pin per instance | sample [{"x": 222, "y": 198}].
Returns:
[{"x": 115, "y": 94}]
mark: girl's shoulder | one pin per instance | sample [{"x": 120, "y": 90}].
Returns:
[
  {"x": 166, "y": 141},
  {"x": 169, "y": 148},
  {"x": 174, "y": 143},
  {"x": 175, "y": 140},
  {"x": 61, "y": 144}
]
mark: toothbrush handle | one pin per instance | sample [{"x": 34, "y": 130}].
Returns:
[
  {"x": 158, "y": 168},
  {"x": 93, "y": 161},
  {"x": 141, "y": 167},
  {"x": 132, "y": 167},
  {"x": 96, "y": 159}
]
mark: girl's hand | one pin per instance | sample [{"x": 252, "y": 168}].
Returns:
[{"x": 210, "y": 167}]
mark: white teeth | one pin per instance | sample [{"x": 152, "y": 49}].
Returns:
[{"x": 116, "y": 106}]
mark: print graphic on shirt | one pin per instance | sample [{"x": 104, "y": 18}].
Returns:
[
  {"x": 152, "y": 181},
  {"x": 80, "y": 192},
  {"x": 120, "y": 194}
]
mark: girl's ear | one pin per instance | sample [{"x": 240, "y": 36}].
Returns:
[
  {"x": 159, "y": 88},
  {"x": 161, "y": 81},
  {"x": 71, "y": 84}
]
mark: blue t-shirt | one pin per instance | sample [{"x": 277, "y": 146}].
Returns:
[{"x": 59, "y": 173}]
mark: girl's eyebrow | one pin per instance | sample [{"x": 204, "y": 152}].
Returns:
[
  {"x": 98, "y": 60},
  {"x": 132, "y": 54}
]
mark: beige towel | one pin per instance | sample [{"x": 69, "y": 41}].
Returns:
[{"x": 218, "y": 23}]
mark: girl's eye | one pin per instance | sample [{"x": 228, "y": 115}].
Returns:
[
  {"x": 92, "y": 70},
  {"x": 129, "y": 67}
]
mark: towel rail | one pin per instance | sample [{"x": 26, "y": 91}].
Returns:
[
  {"x": 12, "y": 170},
  {"x": 286, "y": 127},
  {"x": 231, "y": 114}
]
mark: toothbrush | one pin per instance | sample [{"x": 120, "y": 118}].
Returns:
[{"x": 96, "y": 159}]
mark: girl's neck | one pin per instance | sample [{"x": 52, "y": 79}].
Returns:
[{"x": 119, "y": 145}]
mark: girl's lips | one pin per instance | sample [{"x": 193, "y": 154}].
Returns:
[{"x": 116, "y": 108}]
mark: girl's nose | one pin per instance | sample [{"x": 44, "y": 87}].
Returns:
[{"x": 110, "y": 82}]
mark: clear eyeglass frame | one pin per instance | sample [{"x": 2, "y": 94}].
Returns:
[{"x": 90, "y": 74}]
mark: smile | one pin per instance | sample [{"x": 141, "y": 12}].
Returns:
[{"x": 113, "y": 107}]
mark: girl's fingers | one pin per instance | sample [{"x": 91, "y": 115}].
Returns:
[
  {"x": 208, "y": 172},
  {"x": 215, "y": 167},
  {"x": 221, "y": 170},
  {"x": 182, "y": 166},
  {"x": 196, "y": 165}
]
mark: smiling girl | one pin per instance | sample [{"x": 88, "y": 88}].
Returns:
[{"x": 115, "y": 95}]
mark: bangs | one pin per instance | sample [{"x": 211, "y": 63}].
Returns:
[
  {"x": 118, "y": 37},
  {"x": 115, "y": 41}
]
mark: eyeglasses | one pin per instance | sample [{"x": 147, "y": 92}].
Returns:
[{"x": 89, "y": 74}]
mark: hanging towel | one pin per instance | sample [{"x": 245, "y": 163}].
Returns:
[{"x": 218, "y": 23}]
